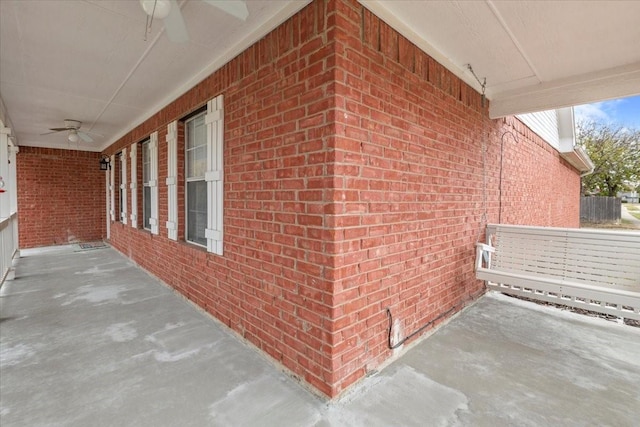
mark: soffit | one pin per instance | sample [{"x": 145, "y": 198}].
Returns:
[{"x": 535, "y": 55}]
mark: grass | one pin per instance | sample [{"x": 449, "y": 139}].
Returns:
[
  {"x": 633, "y": 209},
  {"x": 623, "y": 225}
]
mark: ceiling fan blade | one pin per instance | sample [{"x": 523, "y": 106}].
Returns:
[
  {"x": 174, "y": 24},
  {"x": 237, "y": 8},
  {"x": 85, "y": 136},
  {"x": 53, "y": 130}
]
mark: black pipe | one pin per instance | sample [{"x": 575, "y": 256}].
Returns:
[{"x": 422, "y": 328}]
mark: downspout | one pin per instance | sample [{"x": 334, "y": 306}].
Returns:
[{"x": 589, "y": 172}]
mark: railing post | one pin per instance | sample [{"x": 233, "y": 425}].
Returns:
[{"x": 8, "y": 205}]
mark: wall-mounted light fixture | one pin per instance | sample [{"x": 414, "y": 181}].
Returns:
[{"x": 105, "y": 163}]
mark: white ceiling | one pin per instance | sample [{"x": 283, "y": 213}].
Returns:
[
  {"x": 88, "y": 60},
  {"x": 535, "y": 55}
]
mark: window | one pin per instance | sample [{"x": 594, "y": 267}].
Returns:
[
  {"x": 146, "y": 185},
  {"x": 203, "y": 177},
  {"x": 196, "y": 186}
]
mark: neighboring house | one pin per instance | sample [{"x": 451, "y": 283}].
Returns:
[
  {"x": 330, "y": 174},
  {"x": 629, "y": 197}
]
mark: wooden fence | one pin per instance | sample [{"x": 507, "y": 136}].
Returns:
[{"x": 600, "y": 209}]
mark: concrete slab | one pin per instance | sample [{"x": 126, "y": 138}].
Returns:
[{"x": 88, "y": 339}]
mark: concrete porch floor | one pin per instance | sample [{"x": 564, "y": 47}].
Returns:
[{"x": 89, "y": 339}]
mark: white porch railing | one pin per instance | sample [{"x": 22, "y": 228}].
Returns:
[{"x": 8, "y": 245}]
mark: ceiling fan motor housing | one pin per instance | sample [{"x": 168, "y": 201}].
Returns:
[{"x": 72, "y": 124}]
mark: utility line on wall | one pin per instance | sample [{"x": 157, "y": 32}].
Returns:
[
  {"x": 485, "y": 137},
  {"x": 515, "y": 138}
]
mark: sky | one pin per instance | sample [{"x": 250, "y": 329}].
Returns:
[{"x": 624, "y": 112}]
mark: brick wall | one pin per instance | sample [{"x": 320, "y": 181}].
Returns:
[
  {"x": 409, "y": 151},
  {"x": 355, "y": 181},
  {"x": 269, "y": 286},
  {"x": 539, "y": 187},
  {"x": 61, "y": 197}
]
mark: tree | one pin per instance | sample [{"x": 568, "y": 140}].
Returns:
[{"x": 615, "y": 152}]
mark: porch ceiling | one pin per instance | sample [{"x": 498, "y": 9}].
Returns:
[
  {"x": 535, "y": 55},
  {"x": 88, "y": 60}
]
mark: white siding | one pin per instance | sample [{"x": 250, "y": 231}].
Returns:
[{"x": 545, "y": 124}]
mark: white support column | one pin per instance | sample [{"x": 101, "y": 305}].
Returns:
[
  {"x": 134, "y": 186},
  {"x": 13, "y": 199},
  {"x": 13, "y": 178},
  {"x": 123, "y": 185},
  {"x": 8, "y": 205},
  {"x": 215, "y": 175},
  {"x": 5, "y": 180},
  {"x": 153, "y": 182},
  {"x": 172, "y": 180}
]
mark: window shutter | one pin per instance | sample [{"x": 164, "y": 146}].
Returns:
[
  {"x": 153, "y": 181},
  {"x": 215, "y": 174},
  {"x": 172, "y": 180},
  {"x": 123, "y": 185},
  {"x": 112, "y": 189},
  {"x": 134, "y": 186}
]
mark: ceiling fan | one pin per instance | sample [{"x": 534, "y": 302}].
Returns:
[
  {"x": 73, "y": 129},
  {"x": 169, "y": 11}
]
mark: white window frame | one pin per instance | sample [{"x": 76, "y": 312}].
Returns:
[
  {"x": 153, "y": 181},
  {"x": 188, "y": 179},
  {"x": 214, "y": 176}
]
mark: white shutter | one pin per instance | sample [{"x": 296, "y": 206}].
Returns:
[
  {"x": 123, "y": 185},
  {"x": 215, "y": 174},
  {"x": 172, "y": 180},
  {"x": 112, "y": 188},
  {"x": 134, "y": 186},
  {"x": 153, "y": 181}
]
